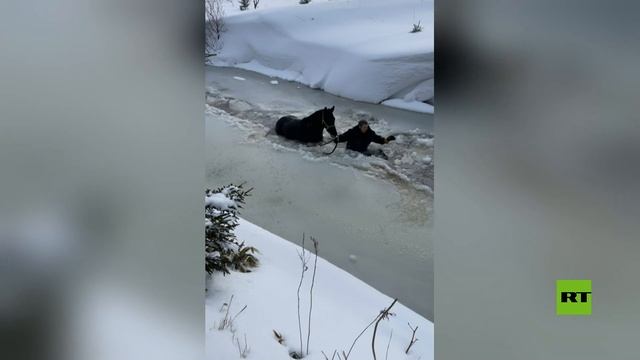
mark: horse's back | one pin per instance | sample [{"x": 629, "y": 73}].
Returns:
[
  {"x": 302, "y": 130},
  {"x": 281, "y": 124}
]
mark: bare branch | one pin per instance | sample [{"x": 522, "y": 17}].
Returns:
[
  {"x": 214, "y": 26},
  {"x": 243, "y": 350},
  {"x": 304, "y": 268},
  {"x": 386, "y": 354},
  {"x": 346, "y": 356},
  {"x": 225, "y": 321},
  {"x": 383, "y": 315},
  {"x": 413, "y": 338},
  {"x": 239, "y": 312},
  {"x": 313, "y": 280},
  {"x": 279, "y": 337}
]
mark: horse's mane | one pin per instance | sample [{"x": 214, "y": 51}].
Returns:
[{"x": 315, "y": 115}]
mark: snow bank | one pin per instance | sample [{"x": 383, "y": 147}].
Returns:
[
  {"x": 356, "y": 49},
  {"x": 342, "y": 307},
  {"x": 409, "y": 105}
]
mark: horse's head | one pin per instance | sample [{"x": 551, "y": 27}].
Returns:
[{"x": 329, "y": 121}]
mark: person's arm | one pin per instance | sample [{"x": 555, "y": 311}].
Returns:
[
  {"x": 377, "y": 138},
  {"x": 345, "y": 137}
]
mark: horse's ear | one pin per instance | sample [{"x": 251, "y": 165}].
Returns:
[{"x": 333, "y": 108}]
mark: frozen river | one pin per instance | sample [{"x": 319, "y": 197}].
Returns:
[{"x": 372, "y": 216}]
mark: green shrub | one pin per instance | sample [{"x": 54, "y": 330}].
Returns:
[{"x": 223, "y": 251}]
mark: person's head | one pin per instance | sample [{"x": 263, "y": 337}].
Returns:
[{"x": 363, "y": 125}]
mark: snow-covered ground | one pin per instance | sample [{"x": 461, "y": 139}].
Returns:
[
  {"x": 342, "y": 307},
  {"x": 362, "y": 50}
]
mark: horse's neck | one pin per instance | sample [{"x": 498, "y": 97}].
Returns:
[{"x": 314, "y": 118}]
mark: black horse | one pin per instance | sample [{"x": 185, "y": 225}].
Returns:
[{"x": 309, "y": 129}]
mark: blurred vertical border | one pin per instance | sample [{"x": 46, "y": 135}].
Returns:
[
  {"x": 102, "y": 168},
  {"x": 538, "y": 162}
]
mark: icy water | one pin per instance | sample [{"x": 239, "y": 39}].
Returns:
[{"x": 371, "y": 216}]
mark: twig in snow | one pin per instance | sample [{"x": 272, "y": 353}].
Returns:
[
  {"x": 225, "y": 321},
  {"x": 416, "y": 28},
  {"x": 333, "y": 356},
  {"x": 244, "y": 350},
  {"x": 239, "y": 312},
  {"x": 304, "y": 268},
  {"x": 383, "y": 315},
  {"x": 386, "y": 354},
  {"x": 278, "y": 337},
  {"x": 222, "y": 307},
  {"x": 335, "y": 352},
  {"x": 413, "y": 338},
  {"x": 383, "y": 312},
  {"x": 346, "y": 356},
  {"x": 313, "y": 280}
]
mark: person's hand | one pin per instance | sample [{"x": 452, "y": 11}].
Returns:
[{"x": 390, "y": 138}]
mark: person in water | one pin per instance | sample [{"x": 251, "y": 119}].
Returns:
[{"x": 360, "y": 136}]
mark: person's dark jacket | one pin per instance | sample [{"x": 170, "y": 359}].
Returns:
[{"x": 359, "y": 141}]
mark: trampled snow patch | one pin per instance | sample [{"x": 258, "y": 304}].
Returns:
[
  {"x": 425, "y": 141},
  {"x": 411, "y": 145},
  {"x": 342, "y": 307},
  {"x": 361, "y": 50}
]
